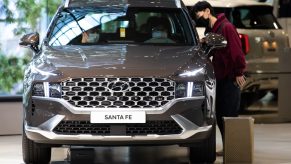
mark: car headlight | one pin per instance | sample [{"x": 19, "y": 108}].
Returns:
[
  {"x": 46, "y": 89},
  {"x": 189, "y": 89},
  {"x": 192, "y": 72}
]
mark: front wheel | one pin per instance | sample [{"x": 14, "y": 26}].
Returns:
[
  {"x": 204, "y": 152},
  {"x": 34, "y": 153}
]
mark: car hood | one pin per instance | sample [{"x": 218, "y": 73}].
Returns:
[{"x": 119, "y": 60}]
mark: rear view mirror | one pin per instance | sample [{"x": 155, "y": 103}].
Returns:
[{"x": 30, "y": 40}]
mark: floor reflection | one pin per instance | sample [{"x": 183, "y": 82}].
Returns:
[{"x": 136, "y": 155}]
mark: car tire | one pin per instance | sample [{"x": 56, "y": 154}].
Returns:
[
  {"x": 206, "y": 151},
  {"x": 245, "y": 102},
  {"x": 34, "y": 153},
  {"x": 248, "y": 98},
  {"x": 275, "y": 94}
]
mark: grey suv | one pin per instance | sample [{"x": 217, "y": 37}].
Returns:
[{"x": 115, "y": 73}]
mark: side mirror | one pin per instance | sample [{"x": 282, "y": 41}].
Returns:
[
  {"x": 213, "y": 41},
  {"x": 30, "y": 40}
]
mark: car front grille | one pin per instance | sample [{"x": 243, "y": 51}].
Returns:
[
  {"x": 158, "y": 127},
  {"x": 81, "y": 127},
  {"x": 154, "y": 127},
  {"x": 118, "y": 92}
]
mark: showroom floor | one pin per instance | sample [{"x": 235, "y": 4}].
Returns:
[{"x": 272, "y": 146}]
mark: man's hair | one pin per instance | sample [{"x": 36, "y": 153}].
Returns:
[{"x": 201, "y": 6}]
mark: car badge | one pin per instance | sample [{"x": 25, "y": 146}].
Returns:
[{"x": 118, "y": 86}]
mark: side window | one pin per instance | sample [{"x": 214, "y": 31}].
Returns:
[
  {"x": 109, "y": 27},
  {"x": 246, "y": 17},
  {"x": 241, "y": 18},
  {"x": 113, "y": 26},
  {"x": 254, "y": 17}
]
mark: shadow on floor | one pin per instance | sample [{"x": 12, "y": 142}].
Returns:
[{"x": 138, "y": 155}]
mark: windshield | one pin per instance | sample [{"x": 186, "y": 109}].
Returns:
[{"x": 92, "y": 26}]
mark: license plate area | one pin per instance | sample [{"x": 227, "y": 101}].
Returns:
[{"x": 118, "y": 117}]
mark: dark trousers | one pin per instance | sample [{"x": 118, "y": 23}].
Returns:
[{"x": 227, "y": 101}]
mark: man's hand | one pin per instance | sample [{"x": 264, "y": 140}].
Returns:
[
  {"x": 84, "y": 37},
  {"x": 202, "y": 40},
  {"x": 240, "y": 80}
]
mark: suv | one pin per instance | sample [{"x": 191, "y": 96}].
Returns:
[
  {"x": 141, "y": 79},
  {"x": 263, "y": 40}
]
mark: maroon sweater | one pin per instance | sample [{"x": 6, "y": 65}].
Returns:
[{"x": 228, "y": 62}]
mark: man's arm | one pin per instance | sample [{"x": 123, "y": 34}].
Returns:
[
  {"x": 237, "y": 55},
  {"x": 84, "y": 37}
]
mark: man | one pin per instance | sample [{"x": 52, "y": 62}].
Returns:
[
  {"x": 91, "y": 36},
  {"x": 229, "y": 63},
  {"x": 160, "y": 35}
]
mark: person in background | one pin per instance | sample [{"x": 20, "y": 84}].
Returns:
[
  {"x": 91, "y": 36},
  {"x": 229, "y": 63},
  {"x": 159, "y": 35}
]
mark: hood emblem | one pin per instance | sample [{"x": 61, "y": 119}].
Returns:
[{"x": 118, "y": 86}]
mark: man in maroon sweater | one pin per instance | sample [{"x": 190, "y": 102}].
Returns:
[{"x": 229, "y": 63}]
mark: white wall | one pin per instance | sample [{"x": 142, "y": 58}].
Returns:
[
  {"x": 286, "y": 24},
  {"x": 10, "y": 118}
]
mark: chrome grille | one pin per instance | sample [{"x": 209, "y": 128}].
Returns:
[
  {"x": 81, "y": 127},
  {"x": 163, "y": 127},
  {"x": 159, "y": 127},
  {"x": 118, "y": 92}
]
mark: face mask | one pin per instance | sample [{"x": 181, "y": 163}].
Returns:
[
  {"x": 93, "y": 38},
  {"x": 203, "y": 22},
  {"x": 159, "y": 34}
]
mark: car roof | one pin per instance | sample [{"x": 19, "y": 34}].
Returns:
[
  {"x": 123, "y": 3},
  {"x": 228, "y": 3}
]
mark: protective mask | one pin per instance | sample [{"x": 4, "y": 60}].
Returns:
[
  {"x": 93, "y": 38},
  {"x": 203, "y": 22},
  {"x": 159, "y": 34}
]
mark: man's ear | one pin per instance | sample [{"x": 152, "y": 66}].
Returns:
[
  {"x": 196, "y": 16},
  {"x": 207, "y": 10}
]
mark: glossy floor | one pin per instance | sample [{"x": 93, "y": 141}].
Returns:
[{"x": 272, "y": 146}]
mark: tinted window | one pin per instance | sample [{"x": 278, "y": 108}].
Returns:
[
  {"x": 251, "y": 17},
  {"x": 119, "y": 25}
]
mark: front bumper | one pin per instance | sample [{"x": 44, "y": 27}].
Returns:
[{"x": 188, "y": 113}]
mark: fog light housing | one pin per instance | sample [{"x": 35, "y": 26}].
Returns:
[
  {"x": 189, "y": 89},
  {"x": 55, "y": 90},
  {"x": 38, "y": 89},
  {"x": 45, "y": 89},
  {"x": 181, "y": 90}
]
